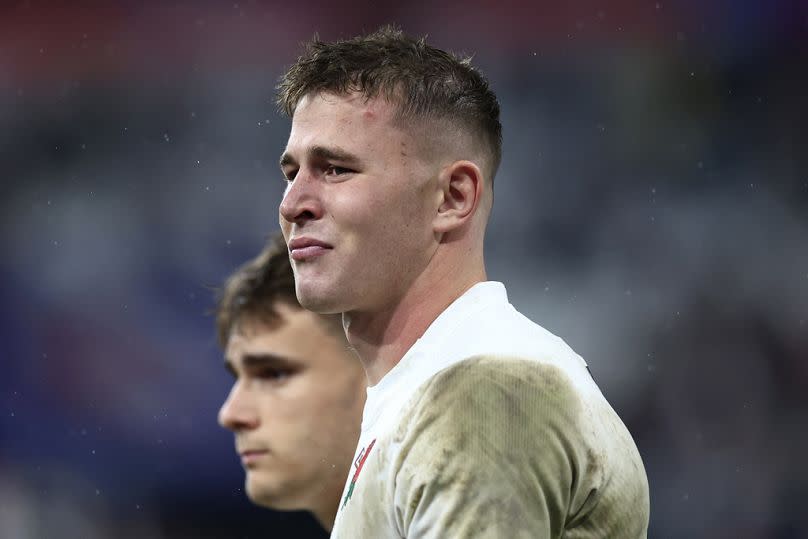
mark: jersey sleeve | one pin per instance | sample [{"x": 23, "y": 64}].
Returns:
[{"x": 493, "y": 449}]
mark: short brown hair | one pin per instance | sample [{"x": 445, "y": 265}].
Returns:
[
  {"x": 425, "y": 82},
  {"x": 255, "y": 288}
]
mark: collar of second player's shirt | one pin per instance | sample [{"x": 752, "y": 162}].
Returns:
[{"x": 421, "y": 361}]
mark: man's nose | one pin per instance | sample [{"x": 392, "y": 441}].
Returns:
[
  {"x": 237, "y": 412},
  {"x": 302, "y": 200}
]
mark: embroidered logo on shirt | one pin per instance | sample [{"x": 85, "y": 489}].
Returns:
[{"x": 358, "y": 463}]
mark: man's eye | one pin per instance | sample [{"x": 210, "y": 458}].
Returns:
[
  {"x": 333, "y": 170},
  {"x": 273, "y": 374},
  {"x": 289, "y": 175}
]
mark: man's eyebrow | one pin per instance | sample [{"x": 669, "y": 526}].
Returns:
[
  {"x": 332, "y": 154},
  {"x": 258, "y": 361},
  {"x": 321, "y": 153},
  {"x": 267, "y": 360}
]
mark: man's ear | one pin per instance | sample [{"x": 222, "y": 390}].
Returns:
[{"x": 461, "y": 185}]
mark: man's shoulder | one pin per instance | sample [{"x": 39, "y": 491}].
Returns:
[
  {"x": 489, "y": 393},
  {"x": 503, "y": 400},
  {"x": 507, "y": 385},
  {"x": 519, "y": 429}
]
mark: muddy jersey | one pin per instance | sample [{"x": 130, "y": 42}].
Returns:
[{"x": 490, "y": 426}]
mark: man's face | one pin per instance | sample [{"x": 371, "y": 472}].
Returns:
[
  {"x": 295, "y": 408},
  {"x": 359, "y": 203}
]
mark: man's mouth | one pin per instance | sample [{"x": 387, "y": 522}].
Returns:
[
  {"x": 252, "y": 456},
  {"x": 305, "y": 247}
]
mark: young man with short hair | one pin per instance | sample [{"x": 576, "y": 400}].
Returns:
[
  {"x": 478, "y": 423},
  {"x": 296, "y": 401}
]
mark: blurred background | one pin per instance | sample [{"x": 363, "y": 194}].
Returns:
[{"x": 651, "y": 209}]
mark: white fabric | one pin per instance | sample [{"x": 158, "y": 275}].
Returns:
[{"x": 480, "y": 323}]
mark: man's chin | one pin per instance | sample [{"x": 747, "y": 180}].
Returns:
[
  {"x": 268, "y": 495},
  {"x": 317, "y": 302}
]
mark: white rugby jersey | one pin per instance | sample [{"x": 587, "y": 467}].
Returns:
[{"x": 491, "y": 426}]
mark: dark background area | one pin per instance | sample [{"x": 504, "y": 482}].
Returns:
[{"x": 652, "y": 209}]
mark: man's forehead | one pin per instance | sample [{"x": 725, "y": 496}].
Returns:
[
  {"x": 241, "y": 342},
  {"x": 255, "y": 329},
  {"x": 350, "y": 123},
  {"x": 357, "y": 103},
  {"x": 251, "y": 327}
]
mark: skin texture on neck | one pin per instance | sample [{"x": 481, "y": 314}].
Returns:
[
  {"x": 382, "y": 338},
  {"x": 327, "y": 513}
]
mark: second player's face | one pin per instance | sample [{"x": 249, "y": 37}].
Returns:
[
  {"x": 295, "y": 408},
  {"x": 359, "y": 204}
]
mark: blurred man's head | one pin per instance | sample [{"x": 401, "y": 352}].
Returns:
[
  {"x": 390, "y": 163},
  {"x": 296, "y": 402}
]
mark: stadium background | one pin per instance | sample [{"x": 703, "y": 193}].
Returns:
[{"x": 652, "y": 209}]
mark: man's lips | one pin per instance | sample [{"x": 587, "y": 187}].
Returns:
[
  {"x": 251, "y": 456},
  {"x": 305, "y": 247}
]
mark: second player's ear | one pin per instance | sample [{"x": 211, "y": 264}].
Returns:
[{"x": 461, "y": 185}]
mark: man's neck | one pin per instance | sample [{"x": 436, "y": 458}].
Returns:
[{"x": 382, "y": 337}]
